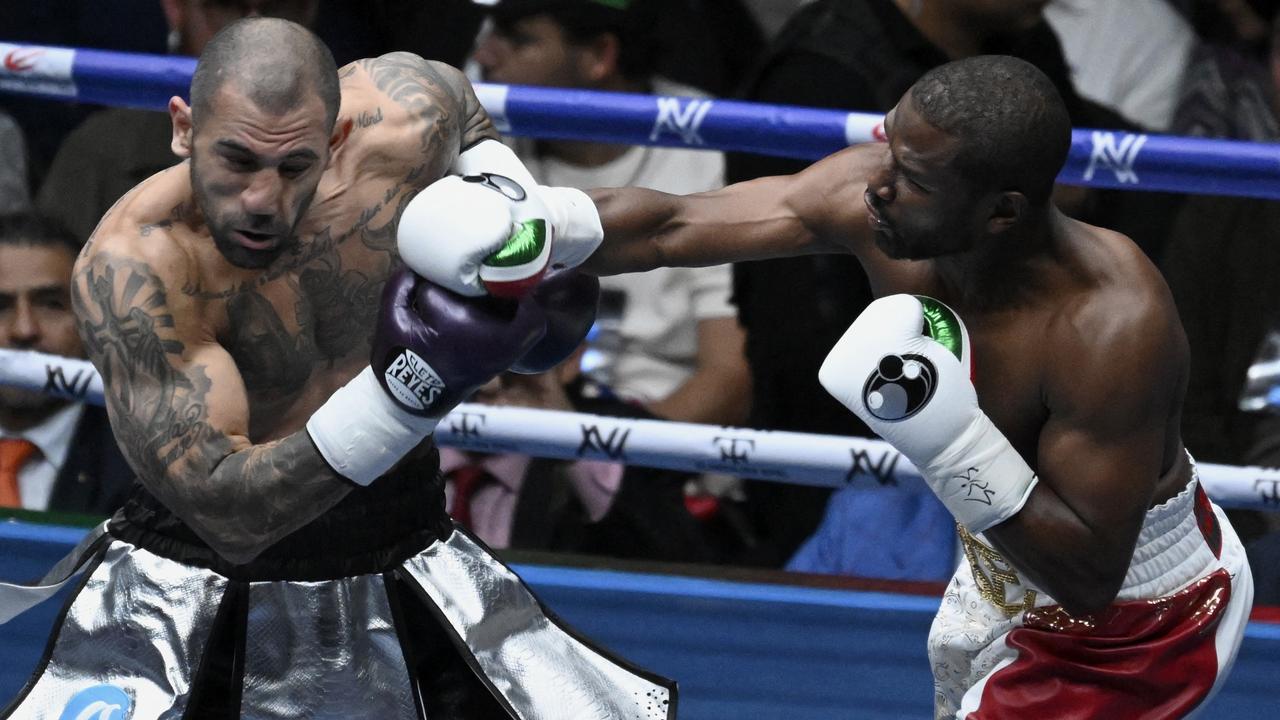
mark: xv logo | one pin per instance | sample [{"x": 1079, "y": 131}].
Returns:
[
  {"x": 881, "y": 469},
  {"x": 734, "y": 450},
  {"x": 1268, "y": 491},
  {"x": 680, "y": 119},
  {"x": 56, "y": 382},
  {"x": 975, "y": 486},
  {"x": 613, "y": 446},
  {"x": 467, "y": 425},
  {"x": 1119, "y": 159}
]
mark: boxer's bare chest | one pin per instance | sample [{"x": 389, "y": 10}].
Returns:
[
  {"x": 1009, "y": 362},
  {"x": 303, "y": 328}
]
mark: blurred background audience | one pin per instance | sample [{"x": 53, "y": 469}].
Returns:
[
  {"x": 54, "y": 454},
  {"x": 577, "y": 506}
]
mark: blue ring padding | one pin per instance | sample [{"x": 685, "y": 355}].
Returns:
[
  {"x": 1162, "y": 163},
  {"x": 13, "y": 530},
  {"x": 630, "y": 582},
  {"x": 612, "y": 580}
]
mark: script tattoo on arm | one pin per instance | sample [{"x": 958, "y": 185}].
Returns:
[{"x": 179, "y": 411}]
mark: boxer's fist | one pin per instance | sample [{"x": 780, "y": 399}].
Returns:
[
  {"x": 432, "y": 348},
  {"x": 491, "y": 229},
  {"x": 569, "y": 299},
  {"x": 904, "y": 368},
  {"x": 456, "y": 225}
]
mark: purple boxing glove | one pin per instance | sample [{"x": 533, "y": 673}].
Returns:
[
  {"x": 433, "y": 348},
  {"x": 569, "y": 298}
]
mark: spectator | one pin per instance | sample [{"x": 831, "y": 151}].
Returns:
[
  {"x": 115, "y": 149},
  {"x": 584, "y": 506},
  {"x": 1230, "y": 89},
  {"x": 54, "y": 454},
  {"x": 1264, "y": 450},
  {"x": 853, "y": 55},
  {"x": 1131, "y": 56},
  {"x": 1221, "y": 262},
  {"x": 15, "y": 193},
  {"x": 672, "y": 342}
]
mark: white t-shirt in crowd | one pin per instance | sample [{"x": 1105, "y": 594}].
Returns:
[
  {"x": 1129, "y": 56},
  {"x": 647, "y": 342}
]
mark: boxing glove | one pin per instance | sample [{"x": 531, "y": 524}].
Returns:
[
  {"x": 431, "y": 350},
  {"x": 490, "y": 229},
  {"x": 569, "y": 300},
  {"x": 904, "y": 368}
]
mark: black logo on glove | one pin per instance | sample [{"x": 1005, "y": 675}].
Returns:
[
  {"x": 900, "y": 387},
  {"x": 500, "y": 184}
]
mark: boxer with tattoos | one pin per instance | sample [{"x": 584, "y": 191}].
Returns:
[{"x": 273, "y": 374}]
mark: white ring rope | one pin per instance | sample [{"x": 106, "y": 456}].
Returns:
[{"x": 796, "y": 458}]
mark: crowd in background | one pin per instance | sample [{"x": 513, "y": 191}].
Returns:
[{"x": 727, "y": 345}]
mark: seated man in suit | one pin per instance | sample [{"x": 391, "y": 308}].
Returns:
[
  {"x": 584, "y": 506},
  {"x": 54, "y": 454}
]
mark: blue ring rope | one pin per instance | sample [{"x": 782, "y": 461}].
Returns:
[{"x": 1098, "y": 158}]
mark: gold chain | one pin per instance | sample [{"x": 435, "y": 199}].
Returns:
[{"x": 991, "y": 573}]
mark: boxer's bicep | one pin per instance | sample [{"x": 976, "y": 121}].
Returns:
[
  {"x": 1110, "y": 400},
  {"x": 180, "y": 412},
  {"x": 176, "y": 401},
  {"x": 1098, "y": 458}
]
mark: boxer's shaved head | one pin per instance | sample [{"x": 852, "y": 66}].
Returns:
[
  {"x": 1012, "y": 125},
  {"x": 276, "y": 63}
]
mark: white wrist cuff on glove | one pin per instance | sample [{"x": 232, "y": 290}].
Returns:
[
  {"x": 362, "y": 433},
  {"x": 576, "y": 224},
  {"x": 979, "y": 477}
]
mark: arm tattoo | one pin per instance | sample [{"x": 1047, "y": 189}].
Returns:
[
  {"x": 159, "y": 413},
  {"x": 240, "y": 502},
  {"x": 413, "y": 84}
]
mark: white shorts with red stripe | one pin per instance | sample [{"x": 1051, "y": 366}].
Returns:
[{"x": 1000, "y": 648}]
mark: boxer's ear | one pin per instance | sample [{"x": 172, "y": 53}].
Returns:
[
  {"x": 1009, "y": 208},
  {"x": 183, "y": 127},
  {"x": 341, "y": 131}
]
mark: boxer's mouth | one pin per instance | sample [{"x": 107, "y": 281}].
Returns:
[{"x": 256, "y": 240}]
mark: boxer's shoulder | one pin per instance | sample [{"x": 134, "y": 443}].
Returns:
[{"x": 406, "y": 115}]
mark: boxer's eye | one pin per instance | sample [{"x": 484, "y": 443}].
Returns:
[{"x": 239, "y": 163}]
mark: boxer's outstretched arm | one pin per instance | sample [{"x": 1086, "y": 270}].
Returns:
[
  {"x": 1110, "y": 397},
  {"x": 179, "y": 409},
  {"x": 818, "y": 210}
]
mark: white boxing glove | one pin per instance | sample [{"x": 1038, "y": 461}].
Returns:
[
  {"x": 491, "y": 229},
  {"x": 904, "y": 368}
]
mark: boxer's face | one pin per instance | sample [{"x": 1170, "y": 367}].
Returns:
[
  {"x": 35, "y": 312},
  {"x": 255, "y": 173},
  {"x": 920, "y": 206}
]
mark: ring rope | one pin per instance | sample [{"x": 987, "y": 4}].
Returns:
[
  {"x": 787, "y": 457},
  {"x": 1098, "y": 158}
]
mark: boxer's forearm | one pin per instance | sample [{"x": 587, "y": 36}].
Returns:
[
  {"x": 635, "y": 221},
  {"x": 646, "y": 229},
  {"x": 259, "y": 495},
  {"x": 1078, "y": 566}
]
